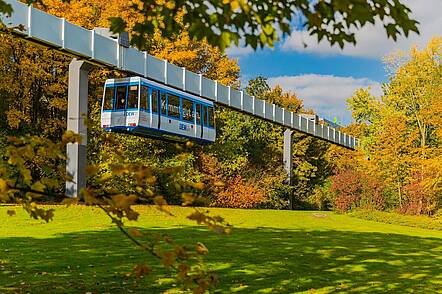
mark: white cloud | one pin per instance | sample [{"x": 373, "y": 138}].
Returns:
[
  {"x": 372, "y": 40},
  {"x": 235, "y": 51},
  {"x": 325, "y": 94}
]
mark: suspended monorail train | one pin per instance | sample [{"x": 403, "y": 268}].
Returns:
[{"x": 146, "y": 108}]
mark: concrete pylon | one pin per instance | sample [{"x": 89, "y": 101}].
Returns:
[
  {"x": 288, "y": 162},
  {"x": 77, "y": 113}
]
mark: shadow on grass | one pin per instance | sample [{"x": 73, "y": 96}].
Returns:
[{"x": 249, "y": 261}]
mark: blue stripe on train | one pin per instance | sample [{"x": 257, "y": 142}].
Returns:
[{"x": 150, "y": 132}]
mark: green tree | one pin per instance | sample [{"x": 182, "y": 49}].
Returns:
[
  {"x": 257, "y": 23},
  {"x": 252, "y": 149}
]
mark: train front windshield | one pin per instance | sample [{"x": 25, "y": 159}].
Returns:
[
  {"x": 120, "y": 97},
  {"x": 108, "y": 103}
]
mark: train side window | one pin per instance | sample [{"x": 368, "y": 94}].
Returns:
[
  {"x": 154, "y": 100},
  {"x": 121, "y": 97},
  {"x": 198, "y": 113},
  {"x": 188, "y": 114},
  {"x": 108, "y": 103},
  {"x": 173, "y": 105},
  {"x": 163, "y": 103},
  {"x": 211, "y": 117},
  {"x": 144, "y": 98},
  {"x": 132, "y": 97}
]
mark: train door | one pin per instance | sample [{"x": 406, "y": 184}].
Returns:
[
  {"x": 132, "y": 106},
  {"x": 119, "y": 114},
  {"x": 155, "y": 109},
  {"x": 211, "y": 132},
  {"x": 162, "y": 114},
  {"x": 195, "y": 118},
  {"x": 198, "y": 126},
  {"x": 203, "y": 119},
  {"x": 145, "y": 106},
  {"x": 187, "y": 108}
]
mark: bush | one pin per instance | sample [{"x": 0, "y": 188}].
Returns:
[
  {"x": 253, "y": 188},
  {"x": 239, "y": 194},
  {"x": 418, "y": 198},
  {"x": 322, "y": 197},
  {"x": 353, "y": 189}
]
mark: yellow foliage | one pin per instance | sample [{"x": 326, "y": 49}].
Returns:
[
  {"x": 38, "y": 186},
  {"x": 201, "y": 249},
  {"x": 3, "y": 186},
  {"x": 123, "y": 201},
  {"x": 69, "y": 201},
  {"x": 402, "y": 140},
  {"x": 199, "y": 185},
  {"x": 198, "y": 57}
]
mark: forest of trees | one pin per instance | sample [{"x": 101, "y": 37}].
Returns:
[{"x": 398, "y": 166}]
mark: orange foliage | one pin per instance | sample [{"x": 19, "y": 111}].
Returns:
[
  {"x": 287, "y": 100},
  {"x": 356, "y": 189},
  {"x": 419, "y": 198},
  {"x": 229, "y": 192},
  {"x": 239, "y": 194},
  {"x": 90, "y": 13}
]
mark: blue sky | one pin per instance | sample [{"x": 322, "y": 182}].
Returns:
[
  {"x": 296, "y": 63},
  {"x": 324, "y": 76}
]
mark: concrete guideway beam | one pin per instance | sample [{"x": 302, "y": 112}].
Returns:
[{"x": 77, "y": 113}]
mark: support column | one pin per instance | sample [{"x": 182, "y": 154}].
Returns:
[
  {"x": 288, "y": 162},
  {"x": 77, "y": 112}
]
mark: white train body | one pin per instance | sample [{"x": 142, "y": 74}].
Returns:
[{"x": 146, "y": 108}]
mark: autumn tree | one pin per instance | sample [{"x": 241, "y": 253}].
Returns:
[
  {"x": 32, "y": 89},
  {"x": 401, "y": 137}
]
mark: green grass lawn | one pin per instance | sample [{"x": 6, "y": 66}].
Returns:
[{"x": 268, "y": 252}]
